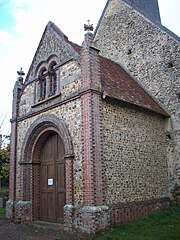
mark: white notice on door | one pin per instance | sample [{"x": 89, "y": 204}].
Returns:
[{"x": 50, "y": 181}]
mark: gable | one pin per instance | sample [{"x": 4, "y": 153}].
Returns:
[
  {"x": 53, "y": 43},
  {"x": 147, "y": 10}
]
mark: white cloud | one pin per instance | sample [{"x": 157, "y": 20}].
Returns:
[{"x": 5, "y": 38}]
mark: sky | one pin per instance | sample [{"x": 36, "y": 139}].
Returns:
[{"x": 22, "y": 23}]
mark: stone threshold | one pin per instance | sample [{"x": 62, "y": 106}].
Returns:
[{"x": 48, "y": 225}]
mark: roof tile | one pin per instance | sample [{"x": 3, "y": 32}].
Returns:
[{"x": 117, "y": 83}]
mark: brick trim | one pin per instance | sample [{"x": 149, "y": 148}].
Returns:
[
  {"x": 92, "y": 150},
  {"x": 39, "y": 126},
  {"x": 91, "y": 125},
  {"x": 30, "y": 167},
  {"x": 13, "y": 145},
  {"x": 54, "y": 105},
  {"x": 130, "y": 211}
]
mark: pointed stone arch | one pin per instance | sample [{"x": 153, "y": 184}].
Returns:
[{"x": 36, "y": 135}]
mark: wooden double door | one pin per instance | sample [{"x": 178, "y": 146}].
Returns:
[{"x": 52, "y": 180}]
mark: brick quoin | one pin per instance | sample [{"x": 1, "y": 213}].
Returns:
[
  {"x": 87, "y": 151},
  {"x": 15, "y": 112},
  {"x": 91, "y": 125}
]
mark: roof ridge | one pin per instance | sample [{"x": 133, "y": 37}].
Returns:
[
  {"x": 140, "y": 12},
  {"x": 59, "y": 32}
]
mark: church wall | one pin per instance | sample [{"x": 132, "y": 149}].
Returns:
[
  {"x": 67, "y": 112},
  {"x": 134, "y": 157},
  {"x": 150, "y": 55},
  {"x": 70, "y": 83},
  {"x": 134, "y": 152},
  {"x": 27, "y": 100},
  {"x": 70, "y": 80}
]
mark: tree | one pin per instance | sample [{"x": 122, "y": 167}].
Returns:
[
  {"x": 4, "y": 164},
  {"x": 4, "y": 152}
]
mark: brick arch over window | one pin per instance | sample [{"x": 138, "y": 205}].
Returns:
[
  {"x": 37, "y": 133},
  {"x": 39, "y": 67},
  {"x": 52, "y": 57}
]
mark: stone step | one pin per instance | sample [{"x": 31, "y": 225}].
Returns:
[{"x": 48, "y": 225}]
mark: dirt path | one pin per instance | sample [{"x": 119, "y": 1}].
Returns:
[{"x": 12, "y": 231}]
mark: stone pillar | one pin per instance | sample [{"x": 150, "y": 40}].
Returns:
[
  {"x": 69, "y": 207},
  {"x": 10, "y": 209},
  {"x": 48, "y": 92}
]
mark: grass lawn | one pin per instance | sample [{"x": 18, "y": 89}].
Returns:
[
  {"x": 164, "y": 225},
  {"x": 2, "y": 213}
]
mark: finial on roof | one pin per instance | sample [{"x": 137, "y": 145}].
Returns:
[
  {"x": 20, "y": 73},
  {"x": 88, "y": 27},
  {"x": 20, "y": 78}
]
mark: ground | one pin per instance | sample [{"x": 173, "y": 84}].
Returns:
[{"x": 14, "y": 231}]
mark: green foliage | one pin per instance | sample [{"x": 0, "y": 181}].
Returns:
[
  {"x": 2, "y": 213},
  {"x": 162, "y": 225},
  {"x": 5, "y": 164},
  {"x": 4, "y": 193}
]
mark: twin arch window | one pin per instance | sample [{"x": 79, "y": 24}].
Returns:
[{"x": 47, "y": 82}]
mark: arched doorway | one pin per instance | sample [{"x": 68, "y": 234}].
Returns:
[
  {"x": 52, "y": 179},
  {"x": 47, "y": 143}
]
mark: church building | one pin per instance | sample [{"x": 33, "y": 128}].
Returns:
[{"x": 95, "y": 128}]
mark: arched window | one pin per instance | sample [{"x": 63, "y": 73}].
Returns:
[
  {"x": 52, "y": 78},
  {"x": 42, "y": 84},
  {"x": 47, "y": 82}
]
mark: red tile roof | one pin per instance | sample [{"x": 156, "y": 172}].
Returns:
[{"x": 117, "y": 83}]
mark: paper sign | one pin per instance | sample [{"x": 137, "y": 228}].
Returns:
[{"x": 50, "y": 181}]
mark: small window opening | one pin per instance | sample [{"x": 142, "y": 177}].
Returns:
[
  {"x": 170, "y": 65},
  {"x": 52, "y": 79},
  {"x": 42, "y": 83},
  {"x": 178, "y": 95}
]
